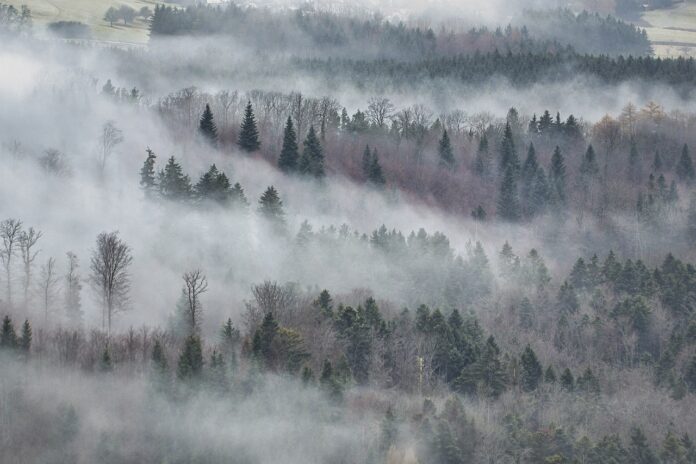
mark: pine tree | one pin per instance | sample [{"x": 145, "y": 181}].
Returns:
[
  {"x": 8, "y": 336},
  {"x": 634, "y": 167},
  {"x": 567, "y": 380},
  {"x": 366, "y": 162},
  {"x": 190, "y": 365},
  {"x": 531, "y": 370},
  {"x": 508, "y": 202},
  {"x": 206, "y": 127},
  {"x": 271, "y": 209},
  {"x": 685, "y": 167},
  {"x": 481, "y": 162},
  {"x": 639, "y": 451},
  {"x": 105, "y": 363},
  {"x": 528, "y": 178},
  {"x": 25, "y": 340},
  {"x": 445, "y": 151},
  {"x": 147, "y": 173},
  {"x": 479, "y": 214},
  {"x": 588, "y": 383},
  {"x": 237, "y": 197},
  {"x": 312, "y": 160},
  {"x": 289, "y": 153},
  {"x": 557, "y": 179},
  {"x": 508, "y": 154},
  {"x": 375, "y": 175},
  {"x": 550, "y": 375},
  {"x": 540, "y": 194},
  {"x": 173, "y": 183},
  {"x": 568, "y": 299},
  {"x": 249, "y": 133}
]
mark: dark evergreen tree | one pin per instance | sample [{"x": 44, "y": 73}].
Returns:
[
  {"x": 249, "y": 133},
  {"x": 482, "y": 163},
  {"x": 557, "y": 180},
  {"x": 685, "y": 166},
  {"x": 528, "y": 179},
  {"x": 479, "y": 214},
  {"x": 531, "y": 370},
  {"x": 567, "y": 380},
  {"x": 657, "y": 162},
  {"x": 105, "y": 363},
  {"x": 312, "y": 160},
  {"x": 445, "y": 151},
  {"x": 550, "y": 375},
  {"x": 271, "y": 209},
  {"x": 634, "y": 164},
  {"x": 8, "y": 336},
  {"x": 508, "y": 153},
  {"x": 25, "y": 340},
  {"x": 289, "y": 153},
  {"x": 375, "y": 176},
  {"x": 190, "y": 365},
  {"x": 508, "y": 202},
  {"x": 568, "y": 299},
  {"x": 639, "y": 450},
  {"x": 237, "y": 197},
  {"x": 147, "y": 173},
  {"x": 206, "y": 126},
  {"x": 173, "y": 183}
]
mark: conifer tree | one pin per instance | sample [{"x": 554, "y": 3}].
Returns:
[
  {"x": 147, "y": 173},
  {"x": 634, "y": 167},
  {"x": 271, "y": 208},
  {"x": 482, "y": 162},
  {"x": 173, "y": 183},
  {"x": 8, "y": 335},
  {"x": 550, "y": 375},
  {"x": 237, "y": 197},
  {"x": 568, "y": 299},
  {"x": 289, "y": 153},
  {"x": 531, "y": 370},
  {"x": 366, "y": 161},
  {"x": 249, "y": 133},
  {"x": 639, "y": 451},
  {"x": 25, "y": 340},
  {"x": 479, "y": 214},
  {"x": 657, "y": 162},
  {"x": 685, "y": 166},
  {"x": 206, "y": 126},
  {"x": 567, "y": 380},
  {"x": 528, "y": 178},
  {"x": 508, "y": 202},
  {"x": 540, "y": 194},
  {"x": 508, "y": 154},
  {"x": 557, "y": 179},
  {"x": 105, "y": 363},
  {"x": 375, "y": 175},
  {"x": 190, "y": 365},
  {"x": 312, "y": 160},
  {"x": 445, "y": 151}
]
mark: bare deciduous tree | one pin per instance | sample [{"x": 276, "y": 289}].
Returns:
[
  {"x": 27, "y": 242},
  {"x": 48, "y": 286},
  {"x": 379, "y": 110},
  {"x": 195, "y": 284},
  {"x": 73, "y": 286},
  {"x": 110, "y": 278},
  {"x": 10, "y": 232},
  {"x": 110, "y": 137}
]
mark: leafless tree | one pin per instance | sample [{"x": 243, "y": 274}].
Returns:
[
  {"x": 27, "y": 242},
  {"x": 195, "y": 284},
  {"x": 109, "y": 274},
  {"x": 10, "y": 232},
  {"x": 379, "y": 110},
  {"x": 48, "y": 286},
  {"x": 270, "y": 297},
  {"x": 110, "y": 137},
  {"x": 73, "y": 286}
]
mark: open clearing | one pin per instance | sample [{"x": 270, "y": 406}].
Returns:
[{"x": 91, "y": 13}]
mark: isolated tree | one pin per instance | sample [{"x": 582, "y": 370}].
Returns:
[
  {"x": 312, "y": 160},
  {"x": 508, "y": 201},
  {"x": 445, "y": 151},
  {"x": 27, "y": 242},
  {"x": 109, "y": 274},
  {"x": 685, "y": 166},
  {"x": 195, "y": 284},
  {"x": 73, "y": 287},
  {"x": 8, "y": 335},
  {"x": 147, "y": 173},
  {"x": 173, "y": 183},
  {"x": 111, "y": 16},
  {"x": 48, "y": 285},
  {"x": 271, "y": 209},
  {"x": 531, "y": 370},
  {"x": 289, "y": 153},
  {"x": 10, "y": 233},
  {"x": 249, "y": 134},
  {"x": 110, "y": 137},
  {"x": 206, "y": 126}
]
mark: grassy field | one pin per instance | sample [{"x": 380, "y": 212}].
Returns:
[
  {"x": 672, "y": 30},
  {"x": 90, "y": 12}
]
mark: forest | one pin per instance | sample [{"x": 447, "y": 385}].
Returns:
[{"x": 313, "y": 234}]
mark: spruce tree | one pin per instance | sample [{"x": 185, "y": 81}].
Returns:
[
  {"x": 540, "y": 194},
  {"x": 481, "y": 162},
  {"x": 685, "y": 167},
  {"x": 206, "y": 127},
  {"x": 634, "y": 166},
  {"x": 312, "y": 159},
  {"x": 375, "y": 175},
  {"x": 508, "y": 154},
  {"x": 550, "y": 375},
  {"x": 237, "y": 197},
  {"x": 567, "y": 380},
  {"x": 25, "y": 340},
  {"x": 528, "y": 178},
  {"x": 147, "y": 173},
  {"x": 173, "y": 183},
  {"x": 557, "y": 179},
  {"x": 289, "y": 153},
  {"x": 249, "y": 133},
  {"x": 105, "y": 363},
  {"x": 190, "y": 365},
  {"x": 639, "y": 450},
  {"x": 531, "y": 370},
  {"x": 366, "y": 162},
  {"x": 271, "y": 209},
  {"x": 445, "y": 151},
  {"x": 508, "y": 202},
  {"x": 8, "y": 335}
]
